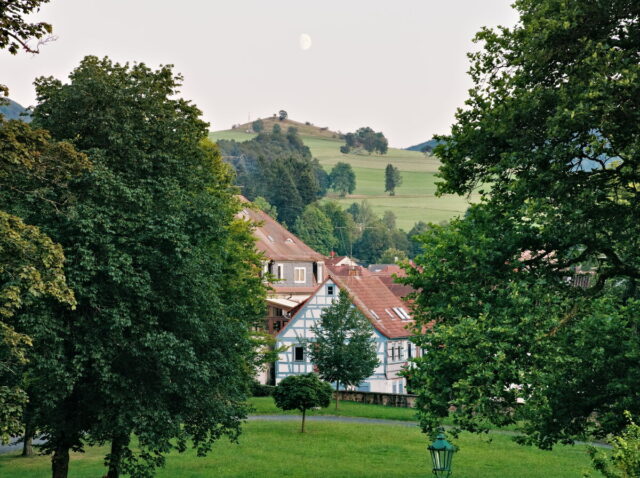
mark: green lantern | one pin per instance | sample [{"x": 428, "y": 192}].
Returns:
[{"x": 441, "y": 454}]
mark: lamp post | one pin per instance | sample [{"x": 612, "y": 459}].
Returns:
[{"x": 441, "y": 454}]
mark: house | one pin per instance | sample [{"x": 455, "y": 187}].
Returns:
[
  {"x": 387, "y": 274},
  {"x": 390, "y": 328},
  {"x": 297, "y": 270}
]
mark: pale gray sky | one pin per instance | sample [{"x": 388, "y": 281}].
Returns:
[{"x": 397, "y": 66}]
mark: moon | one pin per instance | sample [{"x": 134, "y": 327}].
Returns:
[{"x": 305, "y": 41}]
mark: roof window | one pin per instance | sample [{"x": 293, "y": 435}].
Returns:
[{"x": 374, "y": 314}]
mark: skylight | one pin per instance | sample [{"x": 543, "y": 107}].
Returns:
[{"x": 374, "y": 314}]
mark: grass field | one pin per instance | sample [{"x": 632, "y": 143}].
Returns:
[
  {"x": 327, "y": 450},
  {"x": 414, "y": 201}
]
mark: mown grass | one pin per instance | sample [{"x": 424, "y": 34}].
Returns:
[
  {"x": 266, "y": 406},
  {"x": 278, "y": 449},
  {"x": 415, "y": 199}
]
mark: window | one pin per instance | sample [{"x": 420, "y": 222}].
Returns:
[
  {"x": 330, "y": 290},
  {"x": 299, "y": 274},
  {"x": 409, "y": 350},
  {"x": 298, "y": 354},
  {"x": 280, "y": 271},
  {"x": 374, "y": 314},
  {"x": 277, "y": 312},
  {"x": 399, "y": 352},
  {"x": 393, "y": 353}
]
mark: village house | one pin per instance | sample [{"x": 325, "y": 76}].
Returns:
[{"x": 390, "y": 328}]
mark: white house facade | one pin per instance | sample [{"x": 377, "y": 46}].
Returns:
[{"x": 389, "y": 328}]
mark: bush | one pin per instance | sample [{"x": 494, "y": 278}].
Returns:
[{"x": 260, "y": 390}]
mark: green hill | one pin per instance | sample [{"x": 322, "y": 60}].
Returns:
[{"x": 415, "y": 199}]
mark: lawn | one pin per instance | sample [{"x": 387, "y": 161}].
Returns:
[
  {"x": 266, "y": 406},
  {"x": 277, "y": 449},
  {"x": 415, "y": 199}
]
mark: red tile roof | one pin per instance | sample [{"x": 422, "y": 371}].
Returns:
[
  {"x": 386, "y": 273},
  {"x": 274, "y": 240},
  {"x": 377, "y": 303}
]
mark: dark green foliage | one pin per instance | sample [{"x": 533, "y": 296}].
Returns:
[
  {"x": 342, "y": 179},
  {"x": 427, "y": 147},
  {"x": 392, "y": 179},
  {"x": 257, "y": 126},
  {"x": 343, "y": 347},
  {"x": 415, "y": 244},
  {"x": 344, "y": 228},
  {"x": 367, "y": 139},
  {"x": 282, "y": 115},
  {"x": 552, "y": 126},
  {"x": 279, "y": 168},
  {"x": 260, "y": 390},
  {"x": 316, "y": 230},
  {"x": 302, "y": 392},
  {"x": 165, "y": 278},
  {"x": 262, "y": 204}
]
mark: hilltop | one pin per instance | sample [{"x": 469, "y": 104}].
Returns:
[
  {"x": 415, "y": 199},
  {"x": 304, "y": 129}
]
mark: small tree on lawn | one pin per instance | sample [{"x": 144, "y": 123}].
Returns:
[
  {"x": 624, "y": 461},
  {"x": 344, "y": 349},
  {"x": 302, "y": 392}
]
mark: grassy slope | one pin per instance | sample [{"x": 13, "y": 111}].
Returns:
[
  {"x": 414, "y": 200},
  {"x": 277, "y": 449}
]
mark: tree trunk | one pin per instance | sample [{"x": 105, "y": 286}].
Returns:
[
  {"x": 337, "y": 393},
  {"x": 118, "y": 444},
  {"x": 27, "y": 443},
  {"x": 304, "y": 413},
  {"x": 60, "y": 462}
]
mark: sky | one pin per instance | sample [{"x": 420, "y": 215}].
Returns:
[{"x": 396, "y": 66}]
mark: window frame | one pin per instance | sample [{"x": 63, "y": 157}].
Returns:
[
  {"x": 304, "y": 275},
  {"x": 295, "y": 353}
]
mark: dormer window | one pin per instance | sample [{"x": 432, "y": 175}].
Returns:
[
  {"x": 300, "y": 275},
  {"x": 289, "y": 240},
  {"x": 330, "y": 289}
]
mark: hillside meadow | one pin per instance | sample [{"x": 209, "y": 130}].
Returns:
[{"x": 414, "y": 201}]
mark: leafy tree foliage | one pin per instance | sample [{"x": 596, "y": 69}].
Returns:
[
  {"x": 34, "y": 174},
  {"x": 166, "y": 280},
  {"x": 343, "y": 226},
  {"x": 264, "y": 206},
  {"x": 392, "y": 179},
  {"x": 343, "y": 347},
  {"x": 282, "y": 115},
  {"x": 367, "y": 139},
  {"x": 624, "y": 461},
  {"x": 16, "y": 32},
  {"x": 551, "y": 125},
  {"x": 257, "y": 126},
  {"x": 315, "y": 229},
  {"x": 392, "y": 256},
  {"x": 415, "y": 244},
  {"x": 342, "y": 179},
  {"x": 279, "y": 168},
  {"x": 389, "y": 219},
  {"x": 302, "y": 392}
]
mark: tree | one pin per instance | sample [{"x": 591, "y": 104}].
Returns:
[
  {"x": 393, "y": 256},
  {"x": 344, "y": 228},
  {"x": 367, "y": 139},
  {"x": 34, "y": 175},
  {"x": 16, "y": 32},
  {"x": 276, "y": 130},
  {"x": 415, "y": 245},
  {"x": 389, "y": 219},
  {"x": 302, "y": 392},
  {"x": 342, "y": 179},
  {"x": 315, "y": 229},
  {"x": 343, "y": 347},
  {"x": 162, "y": 272},
  {"x": 282, "y": 115},
  {"x": 262, "y": 204},
  {"x": 257, "y": 126},
  {"x": 624, "y": 461},
  {"x": 392, "y": 179},
  {"x": 548, "y": 137}
]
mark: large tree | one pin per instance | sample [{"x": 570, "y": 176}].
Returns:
[
  {"x": 316, "y": 230},
  {"x": 343, "y": 347},
  {"x": 342, "y": 179},
  {"x": 34, "y": 175},
  {"x": 550, "y": 137},
  {"x": 164, "y": 277}
]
